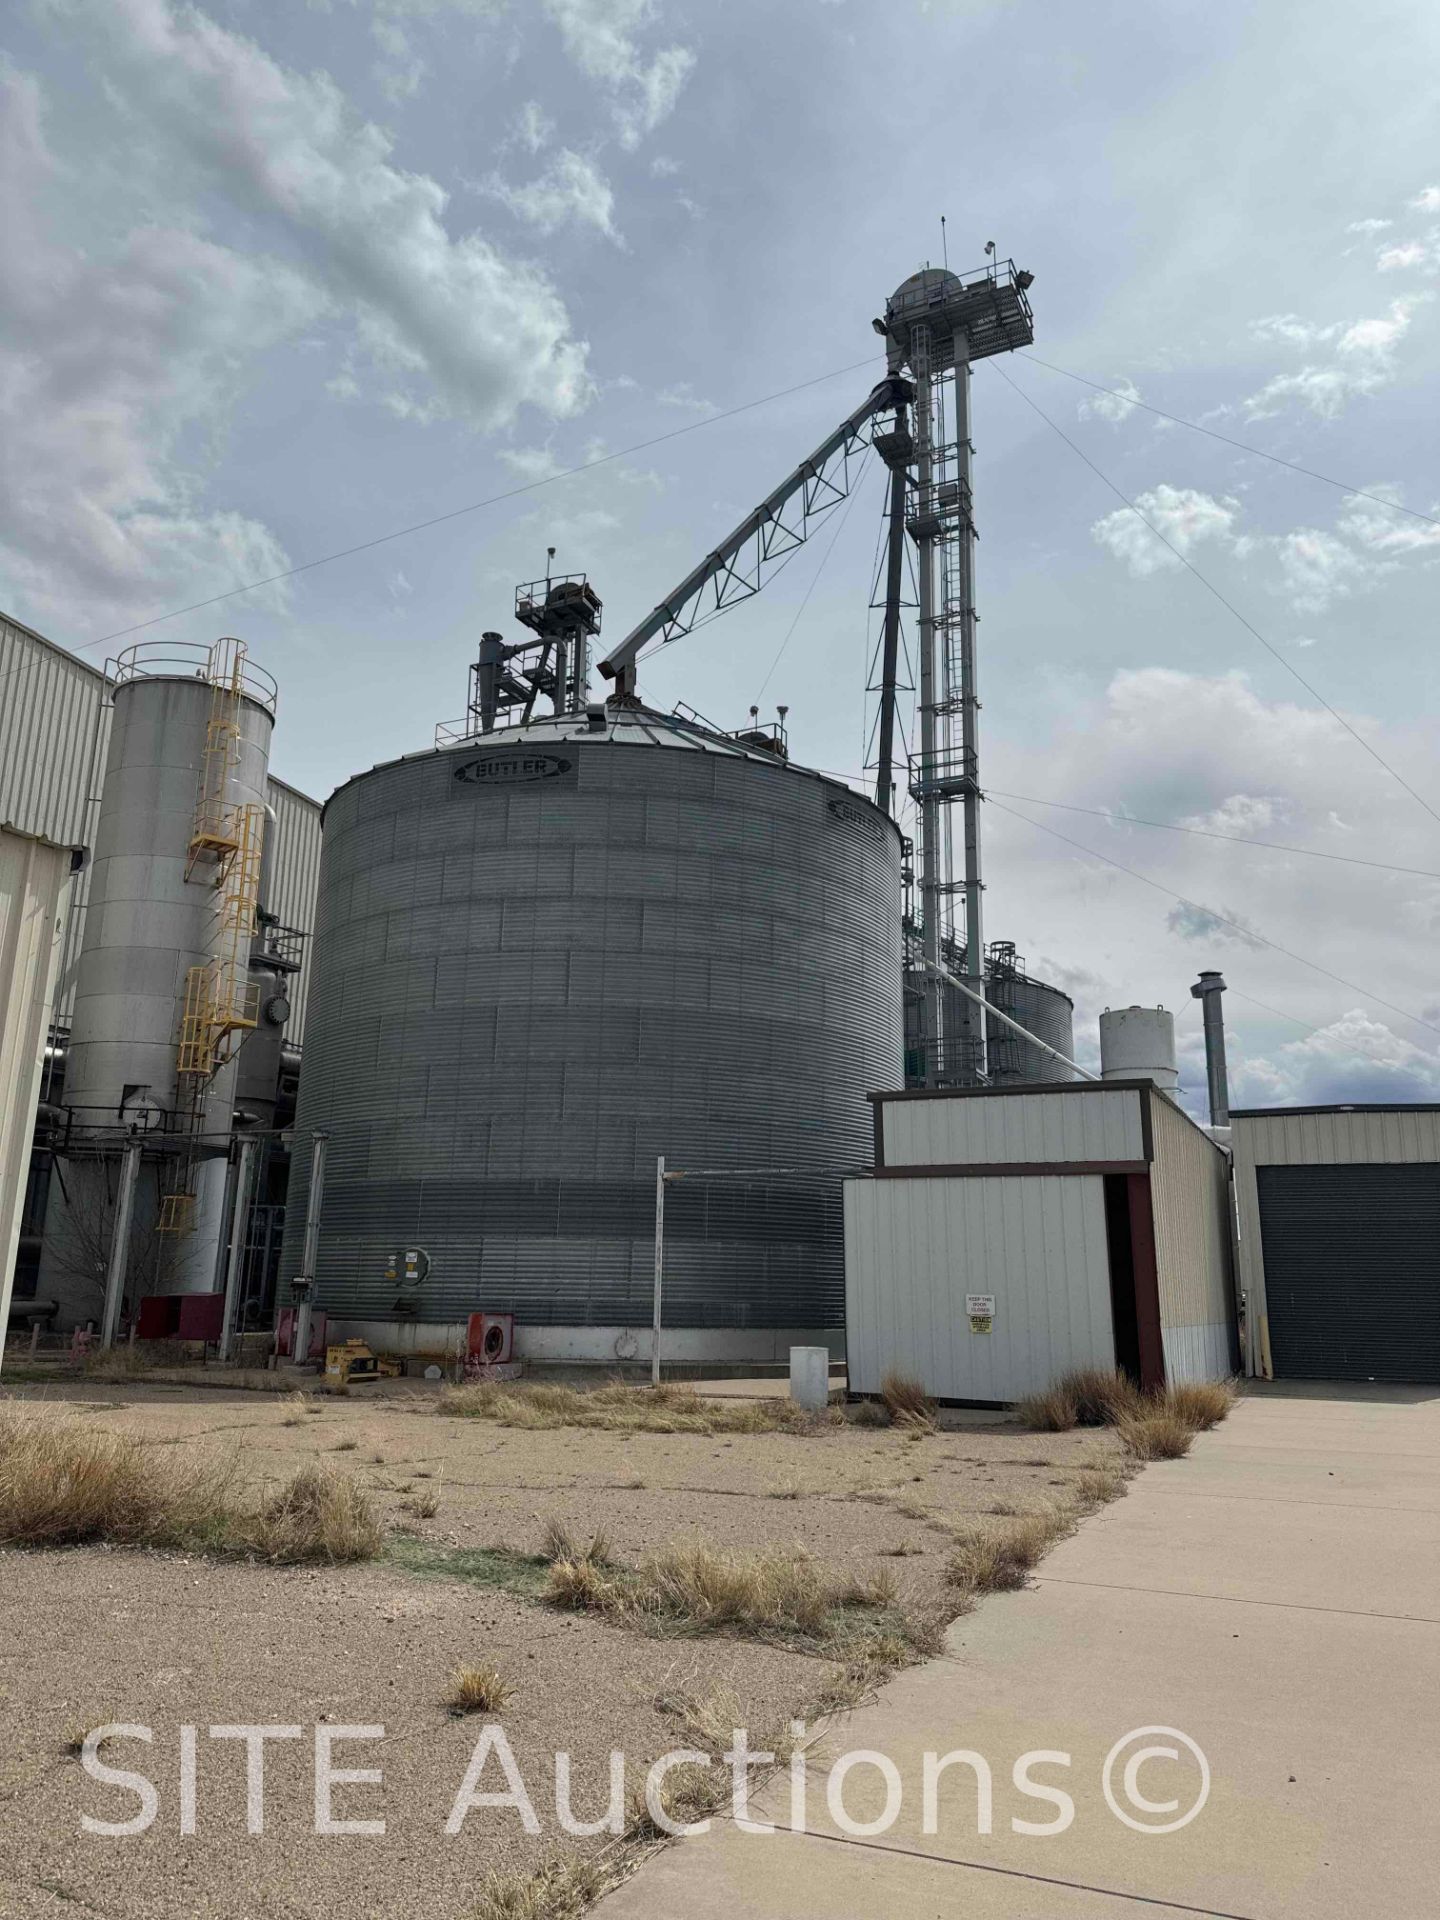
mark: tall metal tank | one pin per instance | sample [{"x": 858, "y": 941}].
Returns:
[
  {"x": 547, "y": 956},
  {"x": 1040, "y": 1008},
  {"x": 1138, "y": 1043},
  {"x": 154, "y": 914}
]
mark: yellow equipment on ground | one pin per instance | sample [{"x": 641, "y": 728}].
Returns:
[{"x": 355, "y": 1361}]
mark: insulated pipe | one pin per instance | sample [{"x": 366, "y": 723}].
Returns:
[{"x": 1207, "y": 990}]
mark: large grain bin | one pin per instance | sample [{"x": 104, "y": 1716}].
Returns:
[{"x": 544, "y": 958}]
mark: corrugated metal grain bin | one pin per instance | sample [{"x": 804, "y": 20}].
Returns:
[
  {"x": 1009, "y": 1236},
  {"x": 546, "y": 957},
  {"x": 1339, "y": 1220}
]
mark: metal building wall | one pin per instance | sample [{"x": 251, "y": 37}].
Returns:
[
  {"x": 1190, "y": 1202},
  {"x": 49, "y": 703},
  {"x": 32, "y": 874},
  {"x": 528, "y": 987},
  {"x": 295, "y": 881},
  {"x": 1008, "y": 1128},
  {"x": 1301, "y": 1136},
  {"x": 915, "y": 1248}
]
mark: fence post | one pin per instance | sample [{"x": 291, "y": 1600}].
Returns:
[{"x": 659, "y": 1268}]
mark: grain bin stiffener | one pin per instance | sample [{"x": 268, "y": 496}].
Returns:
[{"x": 545, "y": 958}]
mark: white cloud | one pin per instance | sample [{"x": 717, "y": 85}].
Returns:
[
  {"x": 663, "y": 168},
  {"x": 1427, "y": 200},
  {"x": 572, "y": 188},
  {"x": 1193, "y": 922},
  {"x": 1114, "y": 406},
  {"x": 1369, "y": 226},
  {"x": 1388, "y": 533},
  {"x": 600, "y": 36},
  {"x": 1316, "y": 569},
  {"x": 1184, "y": 515},
  {"x": 534, "y": 128},
  {"x": 1410, "y": 253},
  {"x": 453, "y": 325},
  {"x": 1158, "y": 744},
  {"x": 531, "y": 463},
  {"x": 1363, "y": 359},
  {"x": 400, "y": 69},
  {"x": 1356, "y": 1057},
  {"x": 684, "y": 397},
  {"x": 108, "y": 361}
]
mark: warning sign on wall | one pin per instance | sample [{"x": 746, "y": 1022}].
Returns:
[{"x": 980, "y": 1308}]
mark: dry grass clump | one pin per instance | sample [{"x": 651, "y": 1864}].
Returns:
[
  {"x": 558, "y": 1543},
  {"x": 690, "y": 1586},
  {"x": 619, "y": 1408},
  {"x": 63, "y": 1486},
  {"x": 560, "y": 1890},
  {"x": 869, "y": 1413},
  {"x": 316, "y": 1515},
  {"x": 1097, "y": 1397},
  {"x": 1157, "y": 1436},
  {"x": 479, "y": 1689},
  {"x": 998, "y": 1559},
  {"x": 129, "y": 1362},
  {"x": 1201, "y": 1404},
  {"x": 908, "y": 1404}
]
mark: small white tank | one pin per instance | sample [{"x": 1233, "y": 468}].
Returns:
[{"x": 1138, "y": 1043}]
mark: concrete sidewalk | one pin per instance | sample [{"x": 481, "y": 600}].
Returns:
[{"x": 1275, "y": 1597}]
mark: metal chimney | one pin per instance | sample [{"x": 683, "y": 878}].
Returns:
[{"x": 1207, "y": 990}]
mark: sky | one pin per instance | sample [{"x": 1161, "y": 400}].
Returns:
[{"x": 282, "y": 279}]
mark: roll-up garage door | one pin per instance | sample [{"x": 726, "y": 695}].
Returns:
[{"x": 1352, "y": 1271}]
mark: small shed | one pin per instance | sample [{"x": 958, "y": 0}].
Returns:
[
  {"x": 1339, "y": 1220},
  {"x": 1009, "y": 1235}
]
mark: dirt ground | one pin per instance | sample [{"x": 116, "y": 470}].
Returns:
[{"x": 93, "y": 1635}]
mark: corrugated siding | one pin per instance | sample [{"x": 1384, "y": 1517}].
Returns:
[
  {"x": 915, "y": 1248},
  {"x": 524, "y": 994},
  {"x": 1190, "y": 1197},
  {"x": 987, "y": 1129},
  {"x": 31, "y": 876},
  {"x": 296, "y": 882},
  {"x": 49, "y": 704},
  {"x": 1397, "y": 1136}
]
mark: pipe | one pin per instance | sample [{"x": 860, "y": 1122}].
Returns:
[
  {"x": 992, "y": 1012},
  {"x": 890, "y": 658},
  {"x": 305, "y": 1283},
  {"x": 239, "y": 1221},
  {"x": 659, "y": 1269},
  {"x": 119, "y": 1247},
  {"x": 1207, "y": 990}
]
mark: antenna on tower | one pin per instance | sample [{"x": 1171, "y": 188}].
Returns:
[{"x": 944, "y": 248}]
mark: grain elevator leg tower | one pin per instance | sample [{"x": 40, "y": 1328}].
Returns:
[{"x": 937, "y": 324}]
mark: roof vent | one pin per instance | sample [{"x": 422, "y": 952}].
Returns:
[{"x": 595, "y": 720}]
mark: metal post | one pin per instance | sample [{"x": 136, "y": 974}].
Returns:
[
  {"x": 119, "y": 1246},
  {"x": 890, "y": 655},
  {"x": 1207, "y": 990},
  {"x": 929, "y": 797},
  {"x": 311, "y": 1247},
  {"x": 659, "y": 1269},
  {"x": 239, "y": 1225},
  {"x": 969, "y": 707}
]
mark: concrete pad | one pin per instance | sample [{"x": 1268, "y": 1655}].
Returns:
[
  {"x": 1380, "y": 1482},
  {"x": 1262, "y": 1627},
  {"x": 800, "y": 1878},
  {"x": 1343, "y": 1558}
]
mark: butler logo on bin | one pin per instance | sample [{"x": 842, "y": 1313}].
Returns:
[{"x": 509, "y": 770}]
